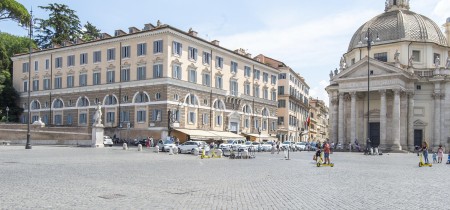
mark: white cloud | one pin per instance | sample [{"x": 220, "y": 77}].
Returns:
[{"x": 442, "y": 9}]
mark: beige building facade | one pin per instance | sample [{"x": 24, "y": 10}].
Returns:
[
  {"x": 407, "y": 72},
  {"x": 318, "y": 113},
  {"x": 142, "y": 76}
]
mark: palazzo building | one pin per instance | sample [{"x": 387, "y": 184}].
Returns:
[
  {"x": 395, "y": 88},
  {"x": 151, "y": 82},
  {"x": 318, "y": 117},
  {"x": 293, "y": 105}
]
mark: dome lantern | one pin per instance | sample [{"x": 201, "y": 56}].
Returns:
[{"x": 396, "y": 5}]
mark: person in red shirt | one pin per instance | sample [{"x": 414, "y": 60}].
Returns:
[{"x": 326, "y": 150}]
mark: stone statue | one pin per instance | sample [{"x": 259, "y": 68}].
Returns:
[
  {"x": 98, "y": 115},
  {"x": 447, "y": 65},
  {"x": 342, "y": 64},
  {"x": 410, "y": 62},
  {"x": 331, "y": 75},
  {"x": 336, "y": 71},
  {"x": 437, "y": 62},
  {"x": 158, "y": 23},
  {"x": 396, "y": 56}
]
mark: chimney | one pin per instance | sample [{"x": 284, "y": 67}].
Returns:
[
  {"x": 119, "y": 33},
  {"x": 148, "y": 27},
  {"x": 104, "y": 36},
  {"x": 66, "y": 43},
  {"x": 192, "y": 32},
  {"x": 216, "y": 42},
  {"x": 132, "y": 30}
]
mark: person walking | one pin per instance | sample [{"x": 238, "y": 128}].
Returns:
[
  {"x": 440, "y": 153},
  {"x": 151, "y": 142},
  {"x": 327, "y": 151},
  {"x": 425, "y": 151},
  {"x": 278, "y": 147},
  {"x": 147, "y": 142}
]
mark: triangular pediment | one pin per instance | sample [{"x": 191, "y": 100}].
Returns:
[{"x": 420, "y": 123}]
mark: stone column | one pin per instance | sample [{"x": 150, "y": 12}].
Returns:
[
  {"x": 437, "y": 120},
  {"x": 411, "y": 121},
  {"x": 442, "y": 131},
  {"x": 353, "y": 116},
  {"x": 396, "y": 121},
  {"x": 383, "y": 119},
  {"x": 335, "y": 122},
  {"x": 341, "y": 118}
]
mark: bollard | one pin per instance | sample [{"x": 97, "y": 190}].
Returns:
[
  {"x": 196, "y": 151},
  {"x": 245, "y": 154},
  {"x": 139, "y": 147},
  {"x": 125, "y": 146},
  {"x": 371, "y": 150},
  {"x": 157, "y": 149},
  {"x": 285, "y": 153},
  {"x": 175, "y": 150},
  {"x": 273, "y": 150},
  {"x": 170, "y": 151},
  {"x": 219, "y": 153}
]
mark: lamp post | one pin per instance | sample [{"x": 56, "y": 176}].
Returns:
[
  {"x": 172, "y": 117},
  {"x": 7, "y": 114},
  {"x": 370, "y": 42},
  {"x": 28, "y": 144}
]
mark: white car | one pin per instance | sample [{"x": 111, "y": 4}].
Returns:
[
  {"x": 300, "y": 146},
  {"x": 107, "y": 141},
  {"x": 246, "y": 146},
  {"x": 287, "y": 145},
  {"x": 266, "y": 146},
  {"x": 189, "y": 146},
  {"x": 231, "y": 144},
  {"x": 166, "y": 145}
]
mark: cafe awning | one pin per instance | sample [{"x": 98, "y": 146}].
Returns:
[
  {"x": 226, "y": 135},
  {"x": 216, "y": 135}
]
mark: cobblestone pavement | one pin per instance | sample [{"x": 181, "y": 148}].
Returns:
[{"x": 52, "y": 177}]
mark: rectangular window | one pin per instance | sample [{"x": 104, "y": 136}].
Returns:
[
  {"x": 157, "y": 71},
  {"x": 141, "y": 73},
  {"x": 436, "y": 55},
  {"x": 156, "y": 115},
  {"x": 280, "y": 90},
  {"x": 58, "y": 119},
  {"x": 273, "y": 126},
  {"x": 125, "y": 75},
  {"x": 206, "y": 80},
  {"x": 110, "y": 117},
  {"x": 247, "y": 123},
  {"x": 265, "y": 77},
  {"x": 124, "y": 116},
  {"x": 247, "y": 89},
  {"x": 35, "y": 85},
  {"x": 266, "y": 93},
  {"x": 281, "y": 103},
  {"x": 176, "y": 71},
  {"x": 110, "y": 76},
  {"x": 233, "y": 67},
  {"x": 192, "y": 76},
  {"x": 191, "y": 117},
  {"x": 140, "y": 116},
  {"x": 256, "y": 123},
  {"x": 83, "y": 58},
  {"x": 36, "y": 65},
  {"x": 157, "y": 46},
  {"x": 97, "y": 56},
  {"x": 416, "y": 55},
  {"x": 83, "y": 118},
  {"x": 176, "y": 115},
  {"x": 205, "y": 119},
  {"x": 192, "y": 53},
  {"x": 58, "y": 82},
  {"x": 353, "y": 61},
  {"x": 70, "y": 81},
  {"x": 69, "y": 119},
  {"x": 177, "y": 48},
  {"x": 25, "y": 67},
  {"x": 280, "y": 120},
  {"x": 46, "y": 83},
  {"x": 256, "y": 91},
  {"x": 71, "y": 60},
  {"x": 25, "y": 86},
  {"x": 273, "y": 79},
  {"x": 47, "y": 64},
  {"x": 58, "y": 62},
  {"x": 206, "y": 58},
  {"x": 418, "y": 87},
  {"x": 111, "y": 54},
  {"x": 218, "y": 120},
  {"x": 247, "y": 71},
  {"x": 219, "y": 82},
  {"x": 282, "y": 76},
  {"x": 264, "y": 125},
  {"x": 142, "y": 49},
  {"x": 96, "y": 78},
  {"x": 83, "y": 80},
  {"x": 256, "y": 74},
  {"x": 381, "y": 56},
  {"x": 219, "y": 62},
  {"x": 274, "y": 96},
  {"x": 234, "y": 88},
  {"x": 126, "y": 51}
]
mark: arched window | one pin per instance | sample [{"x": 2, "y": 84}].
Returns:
[
  {"x": 218, "y": 104},
  {"x": 83, "y": 102},
  {"x": 58, "y": 104},
  {"x": 265, "y": 112},
  {"x": 191, "y": 99},
  {"x": 110, "y": 100},
  {"x": 246, "y": 109},
  {"x": 141, "y": 98},
  {"x": 35, "y": 105}
]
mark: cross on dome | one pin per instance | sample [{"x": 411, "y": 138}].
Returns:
[{"x": 396, "y": 5}]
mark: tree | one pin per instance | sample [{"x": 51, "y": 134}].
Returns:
[
  {"x": 91, "y": 32},
  {"x": 11, "y": 9},
  {"x": 62, "y": 25}
]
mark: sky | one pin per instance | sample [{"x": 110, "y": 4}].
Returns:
[{"x": 310, "y": 36}]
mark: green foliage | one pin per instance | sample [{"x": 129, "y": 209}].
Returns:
[
  {"x": 11, "y": 45},
  {"x": 11, "y": 9},
  {"x": 91, "y": 32},
  {"x": 62, "y": 25}
]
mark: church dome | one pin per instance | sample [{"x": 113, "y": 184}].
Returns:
[{"x": 397, "y": 23}]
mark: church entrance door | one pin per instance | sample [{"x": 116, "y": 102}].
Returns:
[
  {"x": 375, "y": 134},
  {"x": 418, "y": 136}
]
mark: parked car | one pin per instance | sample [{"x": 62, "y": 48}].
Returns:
[
  {"x": 287, "y": 145},
  {"x": 231, "y": 144},
  {"x": 188, "y": 147},
  {"x": 257, "y": 146},
  {"x": 300, "y": 146},
  {"x": 140, "y": 141},
  {"x": 165, "y": 145},
  {"x": 107, "y": 141},
  {"x": 246, "y": 146},
  {"x": 267, "y": 146}
]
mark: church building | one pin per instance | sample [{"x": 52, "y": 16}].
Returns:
[{"x": 393, "y": 84}]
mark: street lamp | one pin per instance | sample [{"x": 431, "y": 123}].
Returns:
[
  {"x": 28, "y": 145},
  {"x": 172, "y": 117},
  {"x": 370, "y": 42},
  {"x": 7, "y": 114}
]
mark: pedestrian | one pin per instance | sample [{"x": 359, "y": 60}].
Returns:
[
  {"x": 278, "y": 147},
  {"x": 434, "y": 157},
  {"x": 417, "y": 149},
  {"x": 425, "y": 151},
  {"x": 177, "y": 142},
  {"x": 151, "y": 142},
  {"x": 327, "y": 151},
  {"x": 147, "y": 142},
  {"x": 440, "y": 153}
]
